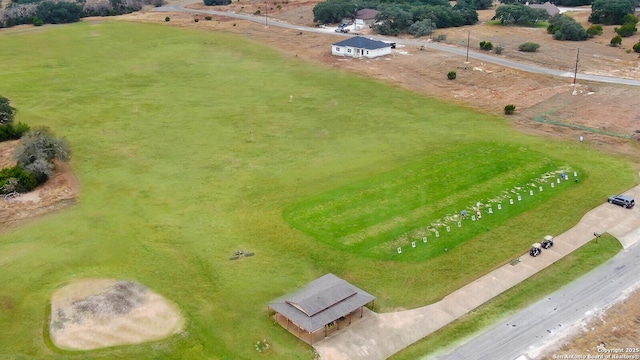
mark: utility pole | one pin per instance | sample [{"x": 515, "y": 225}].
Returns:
[
  {"x": 575, "y": 72},
  {"x": 266, "y": 11},
  {"x": 468, "y": 37}
]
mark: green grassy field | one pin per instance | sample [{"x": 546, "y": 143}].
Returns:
[{"x": 159, "y": 120}]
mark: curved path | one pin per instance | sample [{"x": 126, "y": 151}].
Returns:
[
  {"x": 181, "y": 7},
  {"x": 378, "y": 336}
]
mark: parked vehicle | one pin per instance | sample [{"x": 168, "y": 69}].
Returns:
[
  {"x": 536, "y": 249},
  {"x": 547, "y": 242},
  {"x": 342, "y": 30},
  {"x": 622, "y": 200}
]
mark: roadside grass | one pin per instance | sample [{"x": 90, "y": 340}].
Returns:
[
  {"x": 187, "y": 149},
  {"x": 553, "y": 278}
]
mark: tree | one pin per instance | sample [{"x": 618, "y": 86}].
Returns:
[
  {"x": 422, "y": 28},
  {"x": 394, "y": 20},
  {"x": 474, "y": 4},
  {"x": 610, "y": 12},
  {"x": 486, "y": 45},
  {"x": 333, "y": 11},
  {"x": 594, "y": 30},
  {"x": 59, "y": 12},
  {"x": 37, "y": 150},
  {"x": 626, "y": 29},
  {"x": 7, "y": 112},
  {"x": 636, "y": 47},
  {"x": 564, "y": 27},
  {"x": 519, "y": 14},
  {"x": 451, "y": 75},
  {"x": 216, "y": 2}
]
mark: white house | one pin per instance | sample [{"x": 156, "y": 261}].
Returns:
[{"x": 359, "y": 46}]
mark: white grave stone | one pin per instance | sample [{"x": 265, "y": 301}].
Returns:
[
  {"x": 473, "y": 217},
  {"x": 499, "y": 206},
  {"x": 490, "y": 210},
  {"x": 413, "y": 244},
  {"x": 558, "y": 180},
  {"x": 575, "y": 174},
  {"x": 511, "y": 201},
  {"x": 531, "y": 192},
  {"x": 448, "y": 229},
  {"x": 459, "y": 223},
  {"x": 553, "y": 184},
  {"x": 424, "y": 239},
  {"x": 519, "y": 198},
  {"x": 399, "y": 250},
  {"x": 437, "y": 234},
  {"x": 540, "y": 188}
]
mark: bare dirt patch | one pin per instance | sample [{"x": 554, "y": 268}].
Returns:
[{"x": 97, "y": 313}]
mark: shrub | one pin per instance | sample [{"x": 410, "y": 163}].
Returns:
[
  {"x": 498, "y": 50},
  {"x": 257, "y": 12},
  {"x": 440, "y": 38},
  {"x": 564, "y": 27},
  {"x": 16, "y": 179},
  {"x": 167, "y": 19},
  {"x": 630, "y": 18},
  {"x": 422, "y": 28},
  {"x": 529, "y": 47},
  {"x": 451, "y": 75},
  {"x": 636, "y": 47},
  {"x": 594, "y": 30},
  {"x": 486, "y": 45},
  {"x": 37, "y": 21},
  {"x": 196, "y": 20},
  {"x": 626, "y": 30},
  {"x": 12, "y": 131},
  {"x": 59, "y": 12},
  {"x": 509, "y": 109},
  {"x": 616, "y": 41},
  {"x": 208, "y": 18}
]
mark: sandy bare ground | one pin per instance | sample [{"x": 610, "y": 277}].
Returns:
[{"x": 96, "y": 313}]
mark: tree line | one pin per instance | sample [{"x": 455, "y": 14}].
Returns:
[{"x": 38, "y": 12}]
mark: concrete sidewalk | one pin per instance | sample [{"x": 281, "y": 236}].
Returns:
[{"x": 378, "y": 336}]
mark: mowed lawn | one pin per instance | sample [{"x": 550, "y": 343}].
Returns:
[{"x": 188, "y": 149}]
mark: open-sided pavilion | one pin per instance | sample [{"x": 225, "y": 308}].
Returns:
[{"x": 321, "y": 307}]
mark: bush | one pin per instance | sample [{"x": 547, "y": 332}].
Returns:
[
  {"x": 7, "y": 112},
  {"x": 626, "y": 30},
  {"x": 451, "y": 75},
  {"x": 37, "y": 150},
  {"x": 486, "y": 45},
  {"x": 16, "y": 179},
  {"x": 37, "y": 21},
  {"x": 564, "y": 27},
  {"x": 167, "y": 19},
  {"x": 498, "y": 50},
  {"x": 208, "y": 18},
  {"x": 529, "y": 47},
  {"x": 422, "y": 28},
  {"x": 12, "y": 131},
  {"x": 594, "y": 30},
  {"x": 59, "y": 12},
  {"x": 196, "y": 20},
  {"x": 440, "y": 38},
  {"x": 636, "y": 47},
  {"x": 509, "y": 109},
  {"x": 616, "y": 41}
]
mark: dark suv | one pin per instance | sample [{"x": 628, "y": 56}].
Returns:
[{"x": 622, "y": 200}]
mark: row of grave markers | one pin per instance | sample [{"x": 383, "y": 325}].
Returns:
[{"x": 490, "y": 210}]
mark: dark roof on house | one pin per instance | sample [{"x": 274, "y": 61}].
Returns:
[
  {"x": 362, "y": 43},
  {"x": 367, "y": 14},
  {"x": 549, "y": 7},
  {"x": 320, "y": 302}
]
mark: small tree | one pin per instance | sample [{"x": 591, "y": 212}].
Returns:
[
  {"x": 422, "y": 28},
  {"x": 529, "y": 47},
  {"x": 636, "y": 47},
  {"x": 498, "y": 50},
  {"x": 626, "y": 30},
  {"x": 7, "y": 112},
  {"x": 509, "y": 109},
  {"x": 167, "y": 19},
  {"x": 616, "y": 41},
  {"x": 451, "y": 75},
  {"x": 486, "y": 45}
]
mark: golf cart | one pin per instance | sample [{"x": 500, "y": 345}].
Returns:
[
  {"x": 547, "y": 242},
  {"x": 536, "y": 249}
]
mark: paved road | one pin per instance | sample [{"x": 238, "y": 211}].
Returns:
[
  {"x": 180, "y": 7},
  {"x": 531, "y": 331},
  {"x": 378, "y": 336}
]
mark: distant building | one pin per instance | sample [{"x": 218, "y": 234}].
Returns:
[
  {"x": 548, "y": 7},
  {"x": 359, "y": 46},
  {"x": 365, "y": 17}
]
